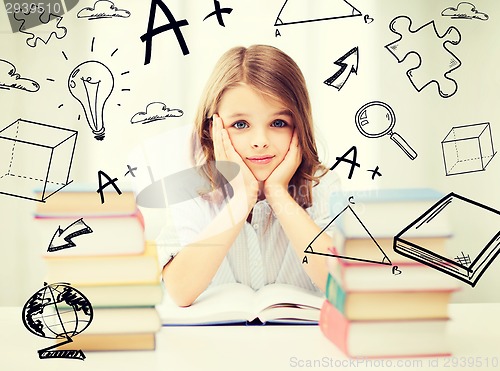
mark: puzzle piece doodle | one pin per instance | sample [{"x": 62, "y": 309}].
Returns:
[
  {"x": 45, "y": 28},
  {"x": 435, "y": 60}
]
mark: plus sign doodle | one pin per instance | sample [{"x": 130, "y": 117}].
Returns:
[
  {"x": 130, "y": 171},
  {"x": 218, "y": 12},
  {"x": 375, "y": 172}
]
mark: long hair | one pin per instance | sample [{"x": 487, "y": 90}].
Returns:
[{"x": 273, "y": 73}]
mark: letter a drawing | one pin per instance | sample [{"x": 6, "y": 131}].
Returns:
[{"x": 173, "y": 25}]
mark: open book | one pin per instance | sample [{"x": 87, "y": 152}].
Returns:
[{"x": 237, "y": 303}]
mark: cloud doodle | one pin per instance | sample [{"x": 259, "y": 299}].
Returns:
[
  {"x": 103, "y": 9},
  {"x": 10, "y": 79},
  {"x": 464, "y": 10},
  {"x": 155, "y": 111}
]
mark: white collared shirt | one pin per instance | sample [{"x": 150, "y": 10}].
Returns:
[{"x": 261, "y": 253}]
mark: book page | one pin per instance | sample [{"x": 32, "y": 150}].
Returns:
[
  {"x": 287, "y": 301},
  {"x": 235, "y": 302},
  {"x": 219, "y": 304}
]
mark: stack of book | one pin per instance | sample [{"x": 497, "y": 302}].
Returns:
[
  {"x": 380, "y": 303},
  {"x": 101, "y": 251}
]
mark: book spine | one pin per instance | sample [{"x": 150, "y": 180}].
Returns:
[
  {"x": 106, "y": 342},
  {"x": 334, "y": 326},
  {"x": 140, "y": 217},
  {"x": 66, "y": 217},
  {"x": 336, "y": 269},
  {"x": 335, "y": 294}
]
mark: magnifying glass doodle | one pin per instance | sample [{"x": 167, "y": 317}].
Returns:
[{"x": 376, "y": 119}]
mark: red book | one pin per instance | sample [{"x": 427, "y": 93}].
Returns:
[{"x": 392, "y": 338}]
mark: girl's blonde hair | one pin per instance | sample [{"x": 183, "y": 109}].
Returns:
[{"x": 273, "y": 73}]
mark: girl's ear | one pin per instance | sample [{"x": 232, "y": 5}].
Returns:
[
  {"x": 207, "y": 131},
  {"x": 295, "y": 138}
]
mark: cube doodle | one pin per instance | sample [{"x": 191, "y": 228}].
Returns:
[
  {"x": 467, "y": 148},
  {"x": 35, "y": 157}
]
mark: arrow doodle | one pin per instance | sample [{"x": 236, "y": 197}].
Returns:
[
  {"x": 75, "y": 229},
  {"x": 348, "y": 64}
]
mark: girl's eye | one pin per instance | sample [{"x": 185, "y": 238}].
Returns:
[
  {"x": 279, "y": 124},
  {"x": 240, "y": 125}
]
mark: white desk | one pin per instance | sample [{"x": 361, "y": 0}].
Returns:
[{"x": 474, "y": 332}]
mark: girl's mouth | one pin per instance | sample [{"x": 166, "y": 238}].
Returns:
[{"x": 260, "y": 159}]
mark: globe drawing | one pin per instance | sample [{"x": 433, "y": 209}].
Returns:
[{"x": 57, "y": 311}]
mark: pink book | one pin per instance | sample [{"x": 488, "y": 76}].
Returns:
[{"x": 391, "y": 338}]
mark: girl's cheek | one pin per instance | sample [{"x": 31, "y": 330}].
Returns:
[
  {"x": 237, "y": 142},
  {"x": 282, "y": 140}
]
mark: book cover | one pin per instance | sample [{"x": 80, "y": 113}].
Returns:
[
  {"x": 383, "y": 211},
  {"x": 392, "y": 338},
  {"x": 112, "y": 342},
  {"x": 364, "y": 247},
  {"x": 105, "y": 235},
  {"x": 464, "y": 261},
  {"x": 105, "y": 270},
  {"x": 123, "y": 295},
  {"x": 387, "y": 305},
  {"x": 411, "y": 276},
  {"x": 82, "y": 199},
  {"x": 124, "y": 321}
]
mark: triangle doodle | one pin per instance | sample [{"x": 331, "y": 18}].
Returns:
[
  {"x": 384, "y": 258},
  {"x": 300, "y": 11},
  {"x": 309, "y": 249}
]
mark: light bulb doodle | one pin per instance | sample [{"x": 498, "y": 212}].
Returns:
[{"x": 91, "y": 83}]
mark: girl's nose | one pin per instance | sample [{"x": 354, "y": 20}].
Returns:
[{"x": 260, "y": 140}]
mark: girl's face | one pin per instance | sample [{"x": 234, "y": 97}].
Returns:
[{"x": 260, "y": 128}]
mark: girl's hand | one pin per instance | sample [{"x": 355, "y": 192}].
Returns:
[
  {"x": 280, "y": 177},
  {"x": 244, "y": 182}
]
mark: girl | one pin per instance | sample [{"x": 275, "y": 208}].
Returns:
[{"x": 252, "y": 228}]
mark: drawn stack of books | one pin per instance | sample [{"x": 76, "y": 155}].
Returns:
[
  {"x": 395, "y": 267},
  {"x": 101, "y": 251}
]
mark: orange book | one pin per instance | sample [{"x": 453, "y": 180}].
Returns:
[
  {"x": 83, "y": 200},
  {"x": 404, "y": 276},
  {"x": 385, "y": 305},
  {"x": 365, "y": 248},
  {"x": 105, "y": 270},
  {"x": 106, "y": 342},
  {"x": 123, "y": 295}
]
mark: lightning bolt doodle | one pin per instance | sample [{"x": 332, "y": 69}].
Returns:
[{"x": 63, "y": 238}]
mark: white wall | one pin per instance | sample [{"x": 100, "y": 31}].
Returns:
[{"x": 422, "y": 118}]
